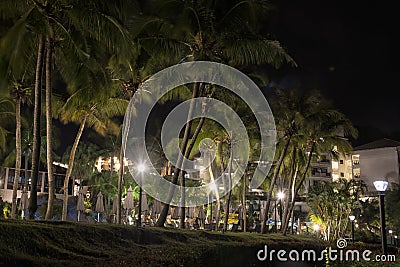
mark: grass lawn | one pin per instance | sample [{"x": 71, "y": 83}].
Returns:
[{"x": 50, "y": 243}]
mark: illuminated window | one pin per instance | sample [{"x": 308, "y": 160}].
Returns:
[
  {"x": 356, "y": 159},
  {"x": 357, "y": 173},
  {"x": 335, "y": 165}
]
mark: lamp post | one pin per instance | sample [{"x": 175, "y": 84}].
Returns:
[
  {"x": 141, "y": 169},
  {"x": 352, "y": 217},
  {"x": 395, "y": 240},
  {"x": 391, "y": 236},
  {"x": 381, "y": 186}
]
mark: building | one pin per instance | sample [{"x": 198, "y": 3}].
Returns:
[
  {"x": 330, "y": 169},
  {"x": 377, "y": 160},
  {"x": 7, "y": 181}
]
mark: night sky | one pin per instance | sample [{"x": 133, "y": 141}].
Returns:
[{"x": 349, "y": 51}]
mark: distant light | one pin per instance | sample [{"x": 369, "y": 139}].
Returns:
[
  {"x": 281, "y": 195},
  {"x": 390, "y": 231},
  {"x": 62, "y": 165},
  {"x": 141, "y": 168},
  {"x": 380, "y": 185},
  {"x": 316, "y": 227},
  {"x": 213, "y": 187},
  {"x": 352, "y": 217}
]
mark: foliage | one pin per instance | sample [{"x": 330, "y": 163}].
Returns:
[
  {"x": 57, "y": 209},
  {"x": 6, "y": 212},
  {"x": 393, "y": 209},
  {"x": 331, "y": 204},
  {"x": 45, "y": 243}
]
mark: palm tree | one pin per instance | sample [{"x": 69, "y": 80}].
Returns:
[
  {"x": 320, "y": 133},
  {"x": 289, "y": 108},
  {"x": 219, "y": 31},
  {"x": 49, "y": 131},
  {"x": 95, "y": 114},
  {"x": 36, "y": 128},
  {"x": 20, "y": 97},
  {"x": 16, "y": 46}
]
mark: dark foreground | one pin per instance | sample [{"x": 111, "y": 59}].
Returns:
[{"x": 24, "y": 243}]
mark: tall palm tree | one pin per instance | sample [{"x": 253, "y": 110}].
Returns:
[
  {"x": 49, "y": 131},
  {"x": 20, "y": 97},
  {"x": 221, "y": 31},
  {"x": 60, "y": 25},
  {"x": 36, "y": 128},
  {"x": 288, "y": 107},
  {"x": 321, "y": 134},
  {"x": 96, "y": 114},
  {"x": 16, "y": 45}
]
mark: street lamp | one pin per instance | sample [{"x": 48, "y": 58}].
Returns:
[
  {"x": 141, "y": 169},
  {"x": 395, "y": 240},
  {"x": 381, "y": 186},
  {"x": 352, "y": 218}
]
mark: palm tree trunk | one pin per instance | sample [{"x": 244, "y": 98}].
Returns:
[
  {"x": 290, "y": 199},
  {"x": 183, "y": 201},
  {"x": 70, "y": 166},
  {"x": 187, "y": 154},
  {"x": 26, "y": 169},
  {"x": 273, "y": 181},
  {"x": 163, "y": 215},
  {"x": 289, "y": 195},
  {"x": 244, "y": 203},
  {"x": 120, "y": 176},
  {"x": 303, "y": 177},
  {"x": 228, "y": 196},
  {"x": 36, "y": 130},
  {"x": 49, "y": 140},
  {"x": 18, "y": 155}
]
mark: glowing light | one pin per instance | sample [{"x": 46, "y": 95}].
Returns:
[
  {"x": 141, "y": 168},
  {"x": 281, "y": 195},
  {"x": 213, "y": 187},
  {"x": 380, "y": 185}
]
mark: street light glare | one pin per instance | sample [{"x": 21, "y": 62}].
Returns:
[
  {"x": 352, "y": 217},
  {"x": 141, "y": 168},
  {"x": 281, "y": 195},
  {"x": 213, "y": 187},
  {"x": 381, "y": 185}
]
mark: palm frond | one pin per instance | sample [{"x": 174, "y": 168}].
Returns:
[{"x": 244, "y": 52}]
